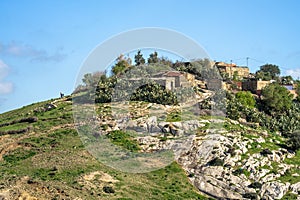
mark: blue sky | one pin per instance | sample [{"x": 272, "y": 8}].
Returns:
[{"x": 44, "y": 43}]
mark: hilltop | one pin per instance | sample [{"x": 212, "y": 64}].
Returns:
[{"x": 207, "y": 143}]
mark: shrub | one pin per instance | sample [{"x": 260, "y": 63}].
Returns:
[
  {"x": 266, "y": 152},
  {"x": 108, "y": 189},
  {"x": 154, "y": 93},
  {"x": 294, "y": 141},
  {"x": 216, "y": 162},
  {"x": 238, "y": 172},
  {"x": 246, "y": 99},
  {"x": 250, "y": 195},
  {"x": 255, "y": 185},
  {"x": 276, "y": 99}
]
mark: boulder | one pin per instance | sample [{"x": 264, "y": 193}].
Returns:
[
  {"x": 273, "y": 190},
  {"x": 191, "y": 125},
  {"x": 49, "y": 106},
  {"x": 152, "y": 125},
  {"x": 260, "y": 140},
  {"x": 208, "y": 185},
  {"x": 295, "y": 188}
]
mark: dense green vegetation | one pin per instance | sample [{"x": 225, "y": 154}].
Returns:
[
  {"x": 101, "y": 88},
  {"x": 154, "y": 93},
  {"x": 245, "y": 98},
  {"x": 268, "y": 72},
  {"x": 276, "y": 99}
]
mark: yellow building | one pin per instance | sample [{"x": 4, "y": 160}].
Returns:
[{"x": 232, "y": 69}]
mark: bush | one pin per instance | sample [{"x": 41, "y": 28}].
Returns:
[
  {"x": 276, "y": 99},
  {"x": 154, "y": 93},
  {"x": 250, "y": 195},
  {"x": 246, "y": 99},
  {"x": 238, "y": 171},
  {"x": 216, "y": 162},
  {"x": 108, "y": 189},
  {"x": 255, "y": 185},
  {"x": 266, "y": 152},
  {"x": 294, "y": 141}
]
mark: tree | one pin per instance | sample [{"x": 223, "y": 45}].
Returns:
[
  {"x": 235, "y": 76},
  {"x": 298, "y": 90},
  {"x": 153, "y": 58},
  {"x": 138, "y": 58},
  {"x": 276, "y": 99},
  {"x": 92, "y": 79},
  {"x": 122, "y": 65},
  {"x": 286, "y": 80},
  {"x": 268, "y": 72},
  {"x": 245, "y": 98}
]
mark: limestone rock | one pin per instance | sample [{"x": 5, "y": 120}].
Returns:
[
  {"x": 273, "y": 190},
  {"x": 295, "y": 188}
]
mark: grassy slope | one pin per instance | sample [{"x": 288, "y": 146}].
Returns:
[{"x": 49, "y": 162}]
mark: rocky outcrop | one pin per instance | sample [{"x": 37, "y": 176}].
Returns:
[
  {"x": 274, "y": 190},
  {"x": 295, "y": 188},
  {"x": 221, "y": 163}
]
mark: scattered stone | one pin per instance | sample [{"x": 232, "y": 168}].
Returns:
[{"x": 260, "y": 140}]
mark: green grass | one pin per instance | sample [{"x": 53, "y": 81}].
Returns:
[
  {"x": 54, "y": 157},
  {"x": 174, "y": 116},
  {"x": 18, "y": 155},
  {"x": 233, "y": 127},
  {"x": 287, "y": 177},
  {"x": 295, "y": 160},
  {"x": 289, "y": 196},
  {"x": 124, "y": 139},
  {"x": 16, "y": 126}
]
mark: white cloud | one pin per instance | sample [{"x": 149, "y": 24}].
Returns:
[
  {"x": 5, "y": 87},
  {"x": 18, "y": 49},
  {"x": 3, "y": 69},
  {"x": 295, "y": 73}
]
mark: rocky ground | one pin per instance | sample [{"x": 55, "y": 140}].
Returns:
[{"x": 222, "y": 158}]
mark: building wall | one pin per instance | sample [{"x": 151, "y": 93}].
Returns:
[
  {"x": 254, "y": 85},
  {"x": 241, "y": 71},
  {"x": 167, "y": 82},
  {"x": 230, "y": 69},
  {"x": 262, "y": 84},
  {"x": 189, "y": 77}
]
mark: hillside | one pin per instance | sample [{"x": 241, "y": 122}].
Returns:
[{"x": 43, "y": 157}]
